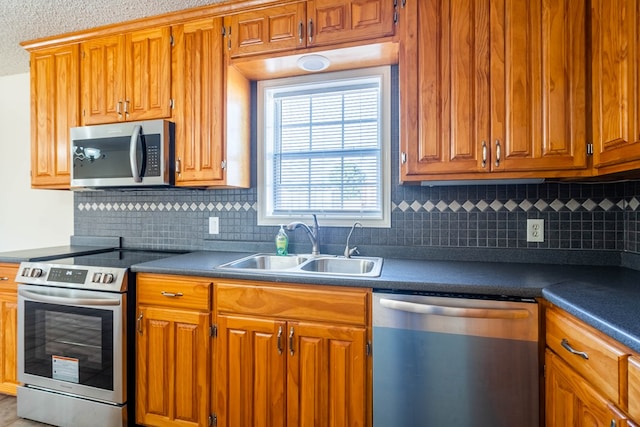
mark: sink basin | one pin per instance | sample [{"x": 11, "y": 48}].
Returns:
[
  {"x": 348, "y": 266},
  {"x": 308, "y": 265},
  {"x": 267, "y": 262}
]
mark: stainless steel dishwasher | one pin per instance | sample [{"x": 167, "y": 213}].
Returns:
[{"x": 455, "y": 360}]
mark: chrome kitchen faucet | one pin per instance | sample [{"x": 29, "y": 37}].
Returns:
[{"x": 311, "y": 232}]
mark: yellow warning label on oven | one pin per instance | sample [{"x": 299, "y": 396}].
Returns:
[{"x": 65, "y": 369}]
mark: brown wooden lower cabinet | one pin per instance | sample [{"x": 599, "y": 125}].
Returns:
[
  {"x": 9, "y": 328},
  {"x": 291, "y": 356},
  {"x": 173, "y": 345},
  {"x": 572, "y": 402},
  {"x": 591, "y": 380}
]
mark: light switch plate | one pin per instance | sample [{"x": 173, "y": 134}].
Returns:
[{"x": 535, "y": 230}]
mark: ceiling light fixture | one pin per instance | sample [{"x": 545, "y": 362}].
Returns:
[{"x": 313, "y": 63}]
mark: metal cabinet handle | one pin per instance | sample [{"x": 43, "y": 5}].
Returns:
[
  {"x": 3, "y": 279},
  {"x": 498, "y": 152},
  {"x": 300, "y": 32},
  {"x": 279, "y": 341},
  {"x": 567, "y": 346},
  {"x": 126, "y": 107},
  {"x": 613, "y": 423},
  {"x": 139, "y": 324},
  {"x": 310, "y": 31},
  {"x": 291, "y": 349},
  {"x": 178, "y": 166},
  {"x": 229, "y": 38},
  {"x": 171, "y": 294},
  {"x": 484, "y": 154},
  {"x": 119, "y": 108}
]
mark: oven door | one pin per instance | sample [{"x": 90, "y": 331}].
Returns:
[{"x": 73, "y": 341}]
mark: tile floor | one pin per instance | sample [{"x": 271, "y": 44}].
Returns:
[{"x": 8, "y": 417}]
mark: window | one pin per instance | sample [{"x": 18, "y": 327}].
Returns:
[{"x": 324, "y": 148}]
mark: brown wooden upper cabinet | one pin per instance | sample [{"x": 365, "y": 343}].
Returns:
[
  {"x": 308, "y": 24},
  {"x": 211, "y": 109},
  {"x": 615, "y": 66},
  {"x": 55, "y": 107},
  {"x": 493, "y": 89},
  {"x": 127, "y": 76}
]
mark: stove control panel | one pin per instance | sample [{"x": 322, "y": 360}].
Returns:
[{"x": 108, "y": 279}]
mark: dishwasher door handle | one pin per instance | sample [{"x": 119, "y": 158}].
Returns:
[{"x": 443, "y": 310}]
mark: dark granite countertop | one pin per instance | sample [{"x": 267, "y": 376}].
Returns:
[
  {"x": 53, "y": 252},
  {"x": 605, "y": 297},
  {"x": 609, "y": 304}
]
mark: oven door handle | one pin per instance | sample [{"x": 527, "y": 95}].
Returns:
[{"x": 68, "y": 301}]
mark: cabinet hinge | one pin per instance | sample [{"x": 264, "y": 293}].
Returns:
[
  {"x": 589, "y": 149},
  {"x": 368, "y": 348},
  {"x": 213, "y": 331},
  {"x": 223, "y": 165},
  {"x": 213, "y": 420}
]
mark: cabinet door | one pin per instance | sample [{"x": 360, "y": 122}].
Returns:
[
  {"x": 336, "y": 21},
  {"x": 444, "y": 88},
  {"x": 634, "y": 387},
  {"x": 615, "y": 62},
  {"x": 127, "y": 77},
  {"x": 148, "y": 74},
  {"x": 493, "y": 86},
  {"x": 55, "y": 104},
  {"x": 173, "y": 353},
  {"x": 326, "y": 379},
  {"x": 198, "y": 92},
  {"x": 538, "y": 84},
  {"x": 8, "y": 343},
  {"x": 250, "y": 366},
  {"x": 266, "y": 30},
  {"x": 103, "y": 79},
  {"x": 572, "y": 402}
]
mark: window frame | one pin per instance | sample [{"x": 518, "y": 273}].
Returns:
[{"x": 266, "y": 216}]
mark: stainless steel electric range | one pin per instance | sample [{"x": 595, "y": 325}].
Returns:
[{"x": 75, "y": 338}]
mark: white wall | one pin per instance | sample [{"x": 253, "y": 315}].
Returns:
[{"x": 28, "y": 218}]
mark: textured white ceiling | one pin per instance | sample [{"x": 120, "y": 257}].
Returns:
[{"x": 33, "y": 19}]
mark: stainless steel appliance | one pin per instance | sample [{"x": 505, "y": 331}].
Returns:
[
  {"x": 129, "y": 154},
  {"x": 75, "y": 339},
  {"x": 461, "y": 360}
]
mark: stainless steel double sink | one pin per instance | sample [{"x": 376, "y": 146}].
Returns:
[{"x": 309, "y": 265}]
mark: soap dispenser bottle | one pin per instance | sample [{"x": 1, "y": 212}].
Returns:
[{"x": 282, "y": 242}]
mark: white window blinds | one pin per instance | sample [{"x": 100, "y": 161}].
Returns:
[
  {"x": 327, "y": 150},
  {"x": 323, "y": 143}
]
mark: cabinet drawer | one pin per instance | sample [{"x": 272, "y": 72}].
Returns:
[
  {"x": 634, "y": 387},
  {"x": 174, "y": 291},
  {"x": 7, "y": 277},
  {"x": 297, "y": 302},
  {"x": 600, "y": 362}
]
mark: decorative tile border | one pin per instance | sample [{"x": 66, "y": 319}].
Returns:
[{"x": 539, "y": 205}]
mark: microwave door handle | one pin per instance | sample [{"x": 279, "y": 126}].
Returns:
[
  {"x": 68, "y": 301},
  {"x": 133, "y": 159}
]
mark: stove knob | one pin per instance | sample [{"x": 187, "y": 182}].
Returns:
[
  {"x": 36, "y": 272},
  {"x": 107, "y": 278},
  {"x": 26, "y": 272},
  {"x": 96, "y": 277}
]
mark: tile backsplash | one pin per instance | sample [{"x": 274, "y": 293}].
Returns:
[
  {"x": 594, "y": 216},
  {"x": 577, "y": 216}
]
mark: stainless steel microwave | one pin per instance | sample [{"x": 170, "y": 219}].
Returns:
[{"x": 130, "y": 154}]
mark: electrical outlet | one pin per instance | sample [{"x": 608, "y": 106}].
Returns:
[
  {"x": 535, "y": 230},
  {"x": 214, "y": 225}
]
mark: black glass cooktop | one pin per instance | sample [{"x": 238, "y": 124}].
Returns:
[{"x": 118, "y": 258}]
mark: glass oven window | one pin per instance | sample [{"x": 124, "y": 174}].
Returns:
[{"x": 73, "y": 344}]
